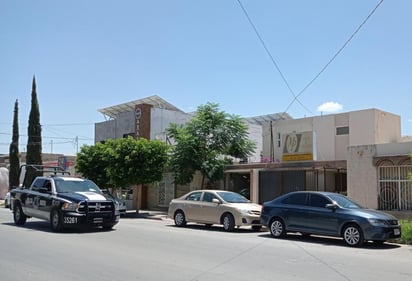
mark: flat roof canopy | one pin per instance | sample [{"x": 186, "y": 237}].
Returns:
[
  {"x": 264, "y": 119},
  {"x": 154, "y": 100}
]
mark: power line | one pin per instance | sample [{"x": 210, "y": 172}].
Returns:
[
  {"x": 70, "y": 124},
  {"x": 270, "y": 56},
  {"x": 340, "y": 50},
  {"x": 295, "y": 97},
  {"x": 63, "y": 124},
  {"x": 60, "y": 138}
]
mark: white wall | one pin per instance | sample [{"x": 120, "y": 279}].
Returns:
[
  {"x": 387, "y": 149},
  {"x": 116, "y": 128},
  {"x": 255, "y": 135},
  {"x": 161, "y": 119}
]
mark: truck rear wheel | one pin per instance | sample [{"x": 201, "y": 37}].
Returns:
[{"x": 18, "y": 215}]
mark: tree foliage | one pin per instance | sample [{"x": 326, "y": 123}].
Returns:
[
  {"x": 34, "y": 146},
  {"x": 207, "y": 144},
  {"x": 92, "y": 162},
  {"x": 123, "y": 162},
  {"x": 14, "y": 150}
]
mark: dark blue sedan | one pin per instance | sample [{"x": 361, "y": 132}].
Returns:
[{"x": 329, "y": 214}]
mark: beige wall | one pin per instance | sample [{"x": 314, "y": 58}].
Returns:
[
  {"x": 369, "y": 126},
  {"x": 374, "y": 126},
  {"x": 324, "y": 128},
  {"x": 362, "y": 175}
]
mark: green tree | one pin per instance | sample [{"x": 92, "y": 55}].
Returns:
[
  {"x": 14, "y": 150},
  {"x": 123, "y": 162},
  {"x": 92, "y": 162},
  {"x": 207, "y": 142},
  {"x": 136, "y": 161},
  {"x": 34, "y": 146}
]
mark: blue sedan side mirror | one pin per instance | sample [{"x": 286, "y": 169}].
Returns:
[{"x": 332, "y": 206}]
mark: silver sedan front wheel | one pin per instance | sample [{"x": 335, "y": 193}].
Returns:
[
  {"x": 179, "y": 218},
  {"x": 228, "y": 222}
]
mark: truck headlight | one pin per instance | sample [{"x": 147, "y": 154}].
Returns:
[
  {"x": 116, "y": 206},
  {"x": 70, "y": 206}
]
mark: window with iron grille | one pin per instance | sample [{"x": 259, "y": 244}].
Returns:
[{"x": 394, "y": 188}]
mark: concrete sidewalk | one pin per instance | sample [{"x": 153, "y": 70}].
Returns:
[{"x": 146, "y": 214}]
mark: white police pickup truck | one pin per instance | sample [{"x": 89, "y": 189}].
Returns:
[{"x": 64, "y": 201}]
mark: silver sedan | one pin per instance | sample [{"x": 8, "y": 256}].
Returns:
[{"x": 210, "y": 207}]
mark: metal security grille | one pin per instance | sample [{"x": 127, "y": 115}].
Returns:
[
  {"x": 395, "y": 188},
  {"x": 165, "y": 190}
]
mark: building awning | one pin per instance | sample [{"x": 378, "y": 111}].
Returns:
[{"x": 154, "y": 100}]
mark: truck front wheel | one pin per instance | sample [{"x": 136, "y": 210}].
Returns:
[
  {"x": 18, "y": 215},
  {"x": 56, "y": 220}
]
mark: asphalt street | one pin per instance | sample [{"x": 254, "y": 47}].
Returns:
[{"x": 150, "y": 247}]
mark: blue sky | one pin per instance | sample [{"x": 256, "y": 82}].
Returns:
[{"x": 88, "y": 55}]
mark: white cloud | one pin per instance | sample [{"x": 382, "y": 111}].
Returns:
[{"x": 330, "y": 107}]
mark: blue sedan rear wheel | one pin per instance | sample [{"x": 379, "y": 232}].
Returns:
[{"x": 277, "y": 228}]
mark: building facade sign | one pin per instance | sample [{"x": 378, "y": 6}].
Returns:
[
  {"x": 142, "y": 116},
  {"x": 297, "y": 147}
]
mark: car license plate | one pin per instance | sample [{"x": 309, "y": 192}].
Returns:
[
  {"x": 396, "y": 231},
  {"x": 70, "y": 220}
]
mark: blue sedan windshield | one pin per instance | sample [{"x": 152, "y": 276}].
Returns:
[{"x": 344, "y": 202}]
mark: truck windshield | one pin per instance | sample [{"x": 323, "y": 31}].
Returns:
[{"x": 76, "y": 186}]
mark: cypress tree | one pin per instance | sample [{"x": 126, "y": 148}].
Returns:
[
  {"x": 14, "y": 150},
  {"x": 34, "y": 147}
]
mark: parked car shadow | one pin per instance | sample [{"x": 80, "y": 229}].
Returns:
[
  {"x": 214, "y": 228},
  {"x": 144, "y": 215},
  {"x": 330, "y": 241},
  {"x": 44, "y": 226}
]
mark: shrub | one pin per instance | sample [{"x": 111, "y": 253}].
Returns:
[{"x": 406, "y": 237}]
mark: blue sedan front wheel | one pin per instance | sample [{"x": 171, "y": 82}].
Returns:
[{"x": 352, "y": 235}]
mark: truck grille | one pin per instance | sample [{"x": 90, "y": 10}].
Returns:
[{"x": 96, "y": 206}]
